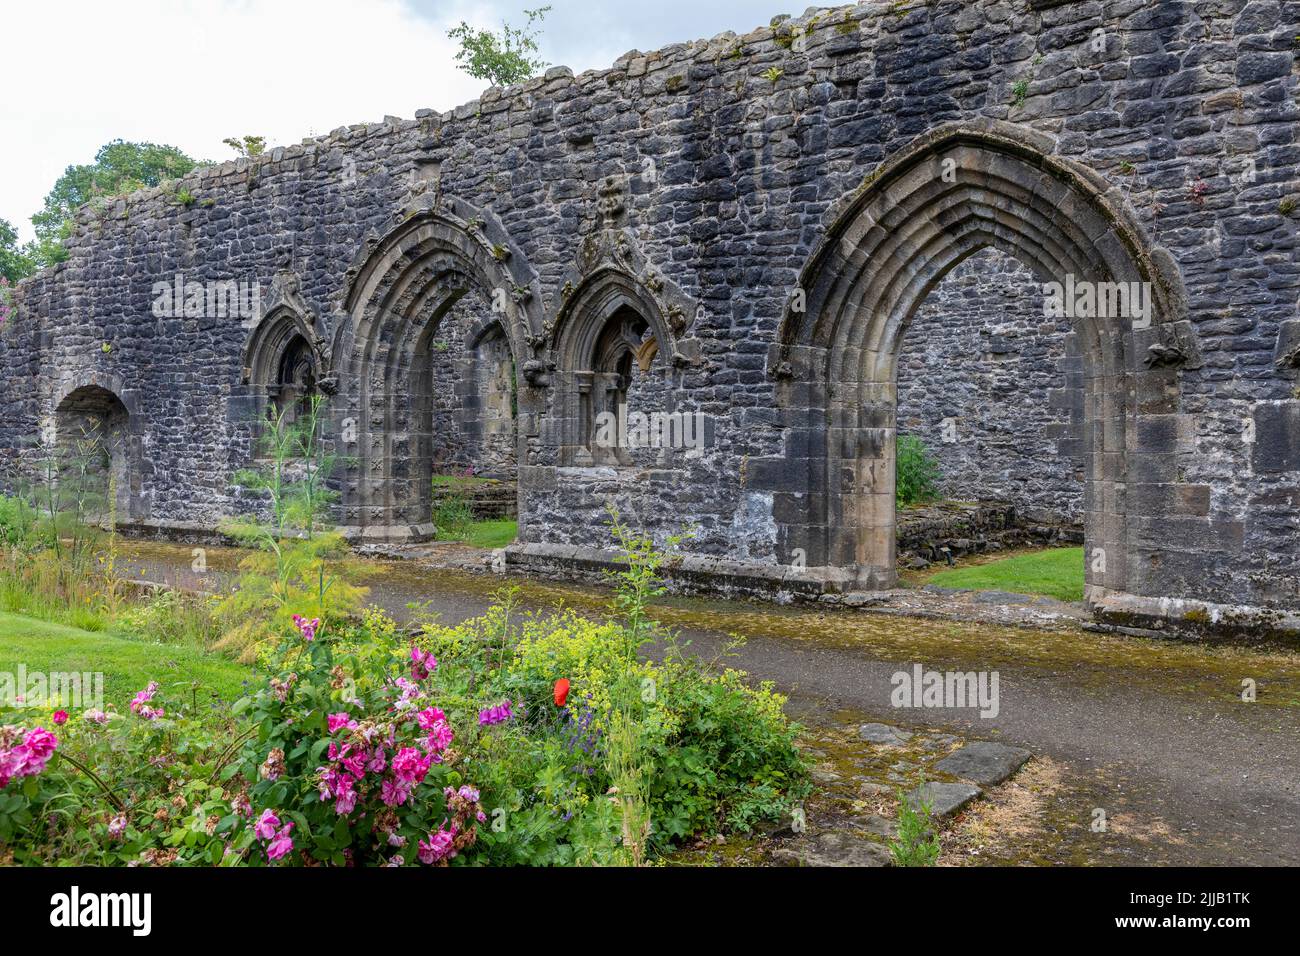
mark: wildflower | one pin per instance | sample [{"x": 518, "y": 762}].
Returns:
[
  {"x": 439, "y": 739},
  {"x": 355, "y": 764},
  {"x": 266, "y": 825},
  {"x": 466, "y": 792},
  {"x": 438, "y": 847},
  {"x": 338, "y": 721},
  {"x": 394, "y": 793},
  {"x": 410, "y": 766},
  {"x": 345, "y": 796},
  {"x": 429, "y": 717},
  {"x": 495, "y": 715},
  {"x": 60, "y": 718},
  {"x": 282, "y": 845},
  {"x": 140, "y": 705},
  {"x": 28, "y": 758},
  {"x": 117, "y": 827},
  {"x": 561, "y": 691},
  {"x": 423, "y": 663},
  {"x": 274, "y": 765},
  {"x": 410, "y": 694},
  {"x": 281, "y": 688},
  {"x": 241, "y": 804},
  {"x": 95, "y": 717},
  {"x": 306, "y": 628}
]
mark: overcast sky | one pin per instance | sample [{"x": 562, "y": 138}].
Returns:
[{"x": 189, "y": 73}]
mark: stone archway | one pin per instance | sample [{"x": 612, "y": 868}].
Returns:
[
  {"x": 93, "y": 455},
  {"x": 956, "y": 191},
  {"x": 404, "y": 286}
]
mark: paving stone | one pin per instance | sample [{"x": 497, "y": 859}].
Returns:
[
  {"x": 823, "y": 776},
  {"x": 944, "y": 799},
  {"x": 872, "y": 789},
  {"x": 1002, "y": 597},
  {"x": 865, "y": 598},
  {"x": 984, "y": 762},
  {"x": 833, "y": 848},
  {"x": 884, "y": 734},
  {"x": 881, "y": 826}
]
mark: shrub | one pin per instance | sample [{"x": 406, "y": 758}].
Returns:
[
  {"x": 353, "y": 760},
  {"x": 917, "y": 473},
  {"x": 171, "y": 617},
  {"x": 120, "y": 788},
  {"x": 513, "y": 738},
  {"x": 17, "y": 522},
  {"x": 453, "y": 518}
]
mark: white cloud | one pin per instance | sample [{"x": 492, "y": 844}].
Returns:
[
  {"x": 189, "y": 73},
  {"x": 192, "y": 73}
]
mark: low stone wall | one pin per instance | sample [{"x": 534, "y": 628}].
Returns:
[
  {"x": 935, "y": 532},
  {"x": 488, "y": 500}
]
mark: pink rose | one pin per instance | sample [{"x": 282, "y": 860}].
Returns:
[{"x": 266, "y": 825}]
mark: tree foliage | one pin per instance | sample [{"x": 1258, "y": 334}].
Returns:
[
  {"x": 503, "y": 58},
  {"x": 247, "y": 146},
  {"x": 15, "y": 261},
  {"x": 119, "y": 168}
]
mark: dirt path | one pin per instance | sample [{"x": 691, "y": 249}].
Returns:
[{"x": 1154, "y": 734}]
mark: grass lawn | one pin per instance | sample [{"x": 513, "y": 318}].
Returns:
[
  {"x": 127, "y": 664},
  {"x": 492, "y": 534},
  {"x": 1057, "y": 572}
]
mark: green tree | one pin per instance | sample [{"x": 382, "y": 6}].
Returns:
[
  {"x": 501, "y": 58},
  {"x": 247, "y": 146},
  {"x": 15, "y": 261},
  {"x": 119, "y": 168}
]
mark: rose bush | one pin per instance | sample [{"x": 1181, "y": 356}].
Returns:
[{"x": 352, "y": 760}]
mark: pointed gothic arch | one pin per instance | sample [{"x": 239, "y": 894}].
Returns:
[
  {"x": 402, "y": 287},
  {"x": 610, "y": 325},
  {"x": 958, "y": 190}
]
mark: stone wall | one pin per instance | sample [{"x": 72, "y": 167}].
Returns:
[
  {"x": 725, "y": 191},
  {"x": 989, "y": 385}
]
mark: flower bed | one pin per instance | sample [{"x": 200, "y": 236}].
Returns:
[{"x": 512, "y": 739}]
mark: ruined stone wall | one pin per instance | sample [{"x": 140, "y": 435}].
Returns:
[
  {"x": 988, "y": 383},
  {"x": 706, "y": 174}
]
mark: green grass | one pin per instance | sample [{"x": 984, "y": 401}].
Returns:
[
  {"x": 461, "y": 482},
  {"x": 126, "y": 663},
  {"x": 491, "y": 535},
  {"x": 1056, "y": 573}
]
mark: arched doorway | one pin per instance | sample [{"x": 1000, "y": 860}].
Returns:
[
  {"x": 93, "y": 463},
  {"x": 420, "y": 299},
  {"x": 956, "y": 192}
]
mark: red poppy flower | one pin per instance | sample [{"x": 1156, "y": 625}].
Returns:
[{"x": 561, "y": 691}]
